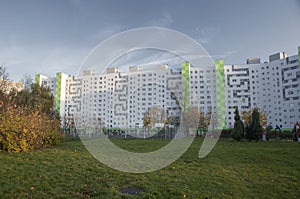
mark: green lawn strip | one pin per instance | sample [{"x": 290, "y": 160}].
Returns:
[{"x": 232, "y": 170}]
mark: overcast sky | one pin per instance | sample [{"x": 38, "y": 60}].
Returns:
[{"x": 50, "y": 36}]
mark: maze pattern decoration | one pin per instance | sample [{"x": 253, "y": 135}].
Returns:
[{"x": 299, "y": 56}]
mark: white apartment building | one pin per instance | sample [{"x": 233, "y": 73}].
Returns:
[
  {"x": 273, "y": 87},
  {"x": 120, "y": 99}
]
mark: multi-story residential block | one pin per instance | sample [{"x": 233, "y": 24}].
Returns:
[
  {"x": 120, "y": 99},
  {"x": 273, "y": 87}
]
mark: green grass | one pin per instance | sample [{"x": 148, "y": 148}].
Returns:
[{"x": 232, "y": 170}]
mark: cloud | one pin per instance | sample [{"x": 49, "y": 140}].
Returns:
[
  {"x": 153, "y": 57},
  {"x": 225, "y": 54},
  {"x": 164, "y": 21},
  {"x": 145, "y": 57},
  {"x": 46, "y": 60},
  {"x": 204, "y": 35},
  {"x": 106, "y": 32},
  {"x": 75, "y": 3},
  {"x": 14, "y": 57},
  {"x": 62, "y": 59}
]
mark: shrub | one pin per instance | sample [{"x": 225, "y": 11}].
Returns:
[
  {"x": 27, "y": 120},
  {"x": 26, "y": 131},
  {"x": 226, "y": 133}
]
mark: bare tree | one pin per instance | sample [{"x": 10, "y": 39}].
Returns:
[
  {"x": 4, "y": 77},
  {"x": 154, "y": 115},
  {"x": 4, "y": 88},
  {"x": 174, "y": 120},
  {"x": 99, "y": 125},
  {"x": 191, "y": 117},
  {"x": 3, "y": 72},
  {"x": 27, "y": 81}
]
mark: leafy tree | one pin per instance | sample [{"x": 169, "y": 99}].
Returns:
[
  {"x": 38, "y": 98},
  {"x": 247, "y": 117},
  {"x": 204, "y": 120},
  {"x": 256, "y": 129},
  {"x": 238, "y": 129},
  {"x": 42, "y": 98},
  {"x": 27, "y": 119},
  {"x": 23, "y": 99},
  {"x": 146, "y": 120}
]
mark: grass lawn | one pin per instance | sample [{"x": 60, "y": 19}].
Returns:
[{"x": 232, "y": 170}]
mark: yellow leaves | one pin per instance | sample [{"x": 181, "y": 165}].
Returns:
[
  {"x": 24, "y": 145},
  {"x": 247, "y": 116},
  {"x": 35, "y": 135},
  {"x": 26, "y": 131}
]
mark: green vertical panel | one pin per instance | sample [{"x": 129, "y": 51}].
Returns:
[
  {"x": 220, "y": 94},
  {"x": 58, "y": 91},
  {"x": 299, "y": 56},
  {"x": 38, "y": 79},
  {"x": 185, "y": 71}
]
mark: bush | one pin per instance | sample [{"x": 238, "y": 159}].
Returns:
[
  {"x": 287, "y": 135},
  {"x": 226, "y": 133},
  {"x": 26, "y": 131},
  {"x": 27, "y": 120}
]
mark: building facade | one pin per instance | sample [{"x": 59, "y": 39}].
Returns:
[
  {"x": 120, "y": 99},
  {"x": 273, "y": 87}
]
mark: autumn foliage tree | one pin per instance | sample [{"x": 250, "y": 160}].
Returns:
[
  {"x": 204, "y": 121},
  {"x": 254, "y": 120},
  {"x": 247, "y": 116},
  {"x": 27, "y": 120}
]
